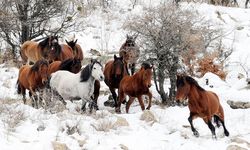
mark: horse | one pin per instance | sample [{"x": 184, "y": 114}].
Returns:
[
  {"x": 72, "y": 65},
  {"x": 32, "y": 78},
  {"x": 130, "y": 52},
  {"x": 114, "y": 71},
  {"x": 77, "y": 50},
  {"x": 77, "y": 86},
  {"x": 201, "y": 103},
  {"x": 135, "y": 86},
  {"x": 32, "y": 51},
  {"x": 60, "y": 52}
]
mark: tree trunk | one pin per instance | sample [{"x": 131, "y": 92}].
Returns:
[{"x": 172, "y": 76}]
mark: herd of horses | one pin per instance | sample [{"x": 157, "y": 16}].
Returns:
[{"x": 58, "y": 67}]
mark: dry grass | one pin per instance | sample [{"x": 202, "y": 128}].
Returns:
[{"x": 104, "y": 125}]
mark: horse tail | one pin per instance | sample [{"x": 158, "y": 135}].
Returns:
[
  {"x": 22, "y": 51},
  {"x": 19, "y": 90}
]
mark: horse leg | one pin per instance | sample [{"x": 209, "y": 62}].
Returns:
[
  {"x": 83, "y": 105},
  {"x": 223, "y": 124},
  {"x": 34, "y": 98},
  {"x": 210, "y": 126},
  {"x": 141, "y": 102},
  {"x": 96, "y": 95},
  {"x": 150, "y": 99},
  {"x": 190, "y": 119},
  {"x": 246, "y": 3},
  {"x": 130, "y": 101},
  {"x": 112, "y": 90},
  {"x": 132, "y": 68},
  {"x": 121, "y": 98}
]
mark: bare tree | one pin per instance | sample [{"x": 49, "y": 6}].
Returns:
[
  {"x": 22, "y": 20},
  {"x": 164, "y": 33}
]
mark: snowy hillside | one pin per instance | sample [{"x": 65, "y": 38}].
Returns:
[{"x": 23, "y": 127}]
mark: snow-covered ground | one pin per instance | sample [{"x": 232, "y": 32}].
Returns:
[{"x": 23, "y": 127}]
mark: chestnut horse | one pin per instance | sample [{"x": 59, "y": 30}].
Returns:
[
  {"x": 135, "y": 86},
  {"x": 32, "y": 78},
  {"x": 77, "y": 50},
  {"x": 114, "y": 71},
  {"x": 201, "y": 103},
  {"x": 72, "y": 65},
  {"x": 32, "y": 51},
  {"x": 60, "y": 52}
]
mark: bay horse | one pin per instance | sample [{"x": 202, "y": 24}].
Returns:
[
  {"x": 114, "y": 71},
  {"x": 77, "y": 50},
  {"x": 201, "y": 103},
  {"x": 77, "y": 86},
  {"x": 60, "y": 52},
  {"x": 130, "y": 52},
  {"x": 32, "y": 78},
  {"x": 32, "y": 51},
  {"x": 72, "y": 65},
  {"x": 136, "y": 86}
]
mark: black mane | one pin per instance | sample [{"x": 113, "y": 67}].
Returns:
[
  {"x": 43, "y": 44},
  {"x": 181, "y": 82},
  {"x": 86, "y": 72},
  {"x": 66, "y": 64}
]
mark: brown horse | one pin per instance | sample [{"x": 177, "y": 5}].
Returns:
[
  {"x": 72, "y": 65},
  {"x": 77, "y": 50},
  {"x": 135, "y": 86},
  {"x": 114, "y": 71},
  {"x": 32, "y": 78},
  {"x": 201, "y": 103},
  {"x": 32, "y": 51},
  {"x": 60, "y": 52},
  {"x": 130, "y": 52}
]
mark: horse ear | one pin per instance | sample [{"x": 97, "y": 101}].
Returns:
[
  {"x": 75, "y": 41},
  {"x": 67, "y": 42}
]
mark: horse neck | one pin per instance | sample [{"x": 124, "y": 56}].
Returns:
[{"x": 195, "y": 95}]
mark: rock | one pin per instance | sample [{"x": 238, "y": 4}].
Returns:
[
  {"x": 59, "y": 146},
  {"x": 240, "y": 141},
  {"x": 123, "y": 147},
  {"x": 238, "y": 104},
  {"x": 235, "y": 147},
  {"x": 148, "y": 116},
  {"x": 121, "y": 122},
  {"x": 95, "y": 52},
  {"x": 41, "y": 128},
  {"x": 81, "y": 142}
]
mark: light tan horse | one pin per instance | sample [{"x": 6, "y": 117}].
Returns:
[
  {"x": 201, "y": 103},
  {"x": 32, "y": 51}
]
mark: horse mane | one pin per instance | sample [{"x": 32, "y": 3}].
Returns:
[
  {"x": 66, "y": 64},
  {"x": 86, "y": 72},
  {"x": 36, "y": 66},
  {"x": 58, "y": 50},
  {"x": 192, "y": 81},
  {"x": 43, "y": 44}
]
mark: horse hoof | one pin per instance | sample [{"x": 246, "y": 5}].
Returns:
[
  {"x": 226, "y": 133},
  {"x": 148, "y": 108},
  {"x": 196, "y": 134}
]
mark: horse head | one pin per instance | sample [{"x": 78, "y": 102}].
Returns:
[
  {"x": 72, "y": 44},
  {"x": 118, "y": 67},
  {"x": 93, "y": 69},
  {"x": 41, "y": 68},
  {"x": 130, "y": 41},
  {"x": 146, "y": 69}
]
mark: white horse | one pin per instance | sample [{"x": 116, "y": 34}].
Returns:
[{"x": 77, "y": 86}]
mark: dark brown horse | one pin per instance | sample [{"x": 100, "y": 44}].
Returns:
[
  {"x": 135, "y": 86},
  {"x": 201, "y": 103},
  {"x": 32, "y": 78},
  {"x": 60, "y": 52},
  {"x": 77, "y": 50},
  {"x": 32, "y": 51},
  {"x": 130, "y": 52},
  {"x": 72, "y": 65},
  {"x": 114, "y": 71}
]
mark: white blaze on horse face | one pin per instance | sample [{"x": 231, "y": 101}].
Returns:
[{"x": 97, "y": 72}]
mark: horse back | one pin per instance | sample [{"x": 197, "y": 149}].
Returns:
[
  {"x": 213, "y": 101},
  {"x": 79, "y": 53},
  {"x": 31, "y": 50},
  {"x": 53, "y": 67},
  {"x": 66, "y": 52}
]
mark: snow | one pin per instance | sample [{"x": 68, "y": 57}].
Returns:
[{"x": 171, "y": 130}]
